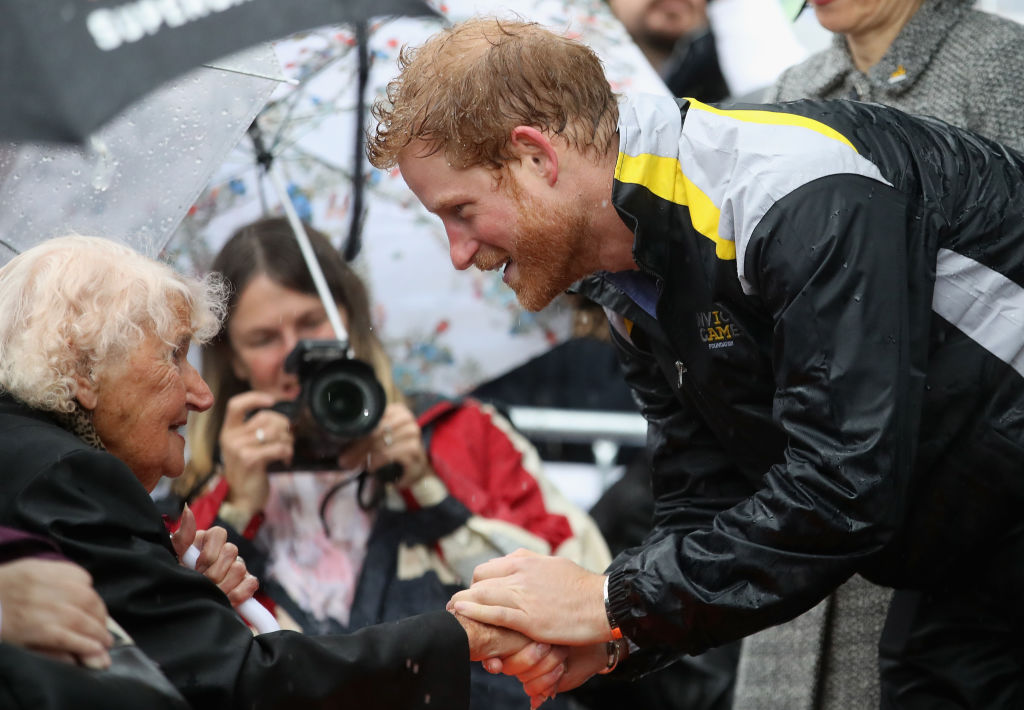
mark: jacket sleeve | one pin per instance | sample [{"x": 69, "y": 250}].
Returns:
[
  {"x": 498, "y": 476},
  {"x": 100, "y": 516},
  {"x": 850, "y": 300}
]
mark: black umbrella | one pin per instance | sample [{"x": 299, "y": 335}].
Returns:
[{"x": 66, "y": 66}]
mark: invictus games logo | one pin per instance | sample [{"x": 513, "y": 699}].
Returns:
[{"x": 716, "y": 329}]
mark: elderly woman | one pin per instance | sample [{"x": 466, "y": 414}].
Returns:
[{"x": 96, "y": 389}]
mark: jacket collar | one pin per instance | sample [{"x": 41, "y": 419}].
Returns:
[{"x": 648, "y": 125}]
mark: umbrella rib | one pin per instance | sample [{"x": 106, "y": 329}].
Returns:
[
  {"x": 255, "y": 75},
  {"x": 299, "y": 92},
  {"x": 8, "y": 245}
]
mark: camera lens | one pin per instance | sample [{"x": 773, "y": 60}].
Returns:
[
  {"x": 341, "y": 401},
  {"x": 346, "y": 401}
]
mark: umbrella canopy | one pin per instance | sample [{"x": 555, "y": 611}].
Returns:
[
  {"x": 136, "y": 177},
  {"x": 446, "y": 331},
  {"x": 67, "y": 66}
]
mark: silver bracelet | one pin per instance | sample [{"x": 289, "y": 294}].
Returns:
[
  {"x": 616, "y": 631},
  {"x": 614, "y": 655}
]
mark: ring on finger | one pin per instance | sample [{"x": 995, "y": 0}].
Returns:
[
  {"x": 261, "y": 436},
  {"x": 387, "y": 437}
]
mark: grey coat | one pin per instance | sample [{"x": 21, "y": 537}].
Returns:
[{"x": 950, "y": 61}]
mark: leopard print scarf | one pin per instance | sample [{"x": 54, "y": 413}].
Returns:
[{"x": 79, "y": 422}]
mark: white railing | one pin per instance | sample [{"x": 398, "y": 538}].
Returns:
[{"x": 605, "y": 431}]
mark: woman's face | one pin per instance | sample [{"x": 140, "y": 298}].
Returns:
[
  {"x": 267, "y": 322},
  {"x": 139, "y": 408},
  {"x": 856, "y": 17}
]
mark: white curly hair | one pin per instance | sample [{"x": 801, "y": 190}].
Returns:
[{"x": 77, "y": 305}]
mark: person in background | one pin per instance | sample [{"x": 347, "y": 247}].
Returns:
[
  {"x": 817, "y": 304},
  {"x": 346, "y": 547},
  {"x": 96, "y": 390},
  {"x": 676, "y": 39},
  {"x": 938, "y": 58}
]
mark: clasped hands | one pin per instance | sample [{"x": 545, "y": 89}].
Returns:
[{"x": 555, "y": 604}]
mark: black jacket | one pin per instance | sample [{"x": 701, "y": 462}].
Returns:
[
  {"x": 92, "y": 506},
  {"x": 827, "y": 338}
]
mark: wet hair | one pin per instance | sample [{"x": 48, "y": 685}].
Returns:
[
  {"x": 77, "y": 306},
  {"x": 268, "y": 247},
  {"x": 469, "y": 85}
]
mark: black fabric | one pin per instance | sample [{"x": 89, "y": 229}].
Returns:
[
  {"x": 103, "y": 519},
  {"x": 31, "y": 681},
  {"x": 959, "y": 646},
  {"x": 693, "y": 69}
]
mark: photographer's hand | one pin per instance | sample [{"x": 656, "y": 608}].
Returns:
[
  {"x": 248, "y": 446},
  {"x": 397, "y": 439}
]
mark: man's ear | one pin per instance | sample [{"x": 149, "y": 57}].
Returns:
[
  {"x": 86, "y": 392},
  {"x": 536, "y": 153}
]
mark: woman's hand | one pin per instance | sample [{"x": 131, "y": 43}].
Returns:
[
  {"x": 580, "y": 663},
  {"x": 397, "y": 439},
  {"x": 248, "y": 446},
  {"x": 218, "y": 560}
]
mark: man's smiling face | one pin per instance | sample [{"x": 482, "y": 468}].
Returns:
[{"x": 501, "y": 225}]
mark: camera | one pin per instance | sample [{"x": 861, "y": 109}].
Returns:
[{"x": 340, "y": 401}]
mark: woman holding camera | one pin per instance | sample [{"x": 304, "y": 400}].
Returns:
[{"x": 411, "y": 508}]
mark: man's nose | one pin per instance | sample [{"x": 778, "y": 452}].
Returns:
[{"x": 461, "y": 249}]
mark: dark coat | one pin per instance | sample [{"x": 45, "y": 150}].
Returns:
[
  {"x": 824, "y": 338},
  {"x": 101, "y": 517}
]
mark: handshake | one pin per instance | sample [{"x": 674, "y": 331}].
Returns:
[{"x": 538, "y": 618}]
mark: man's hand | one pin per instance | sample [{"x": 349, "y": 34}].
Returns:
[
  {"x": 218, "y": 561},
  {"x": 51, "y": 607},
  {"x": 549, "y": 599}
]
